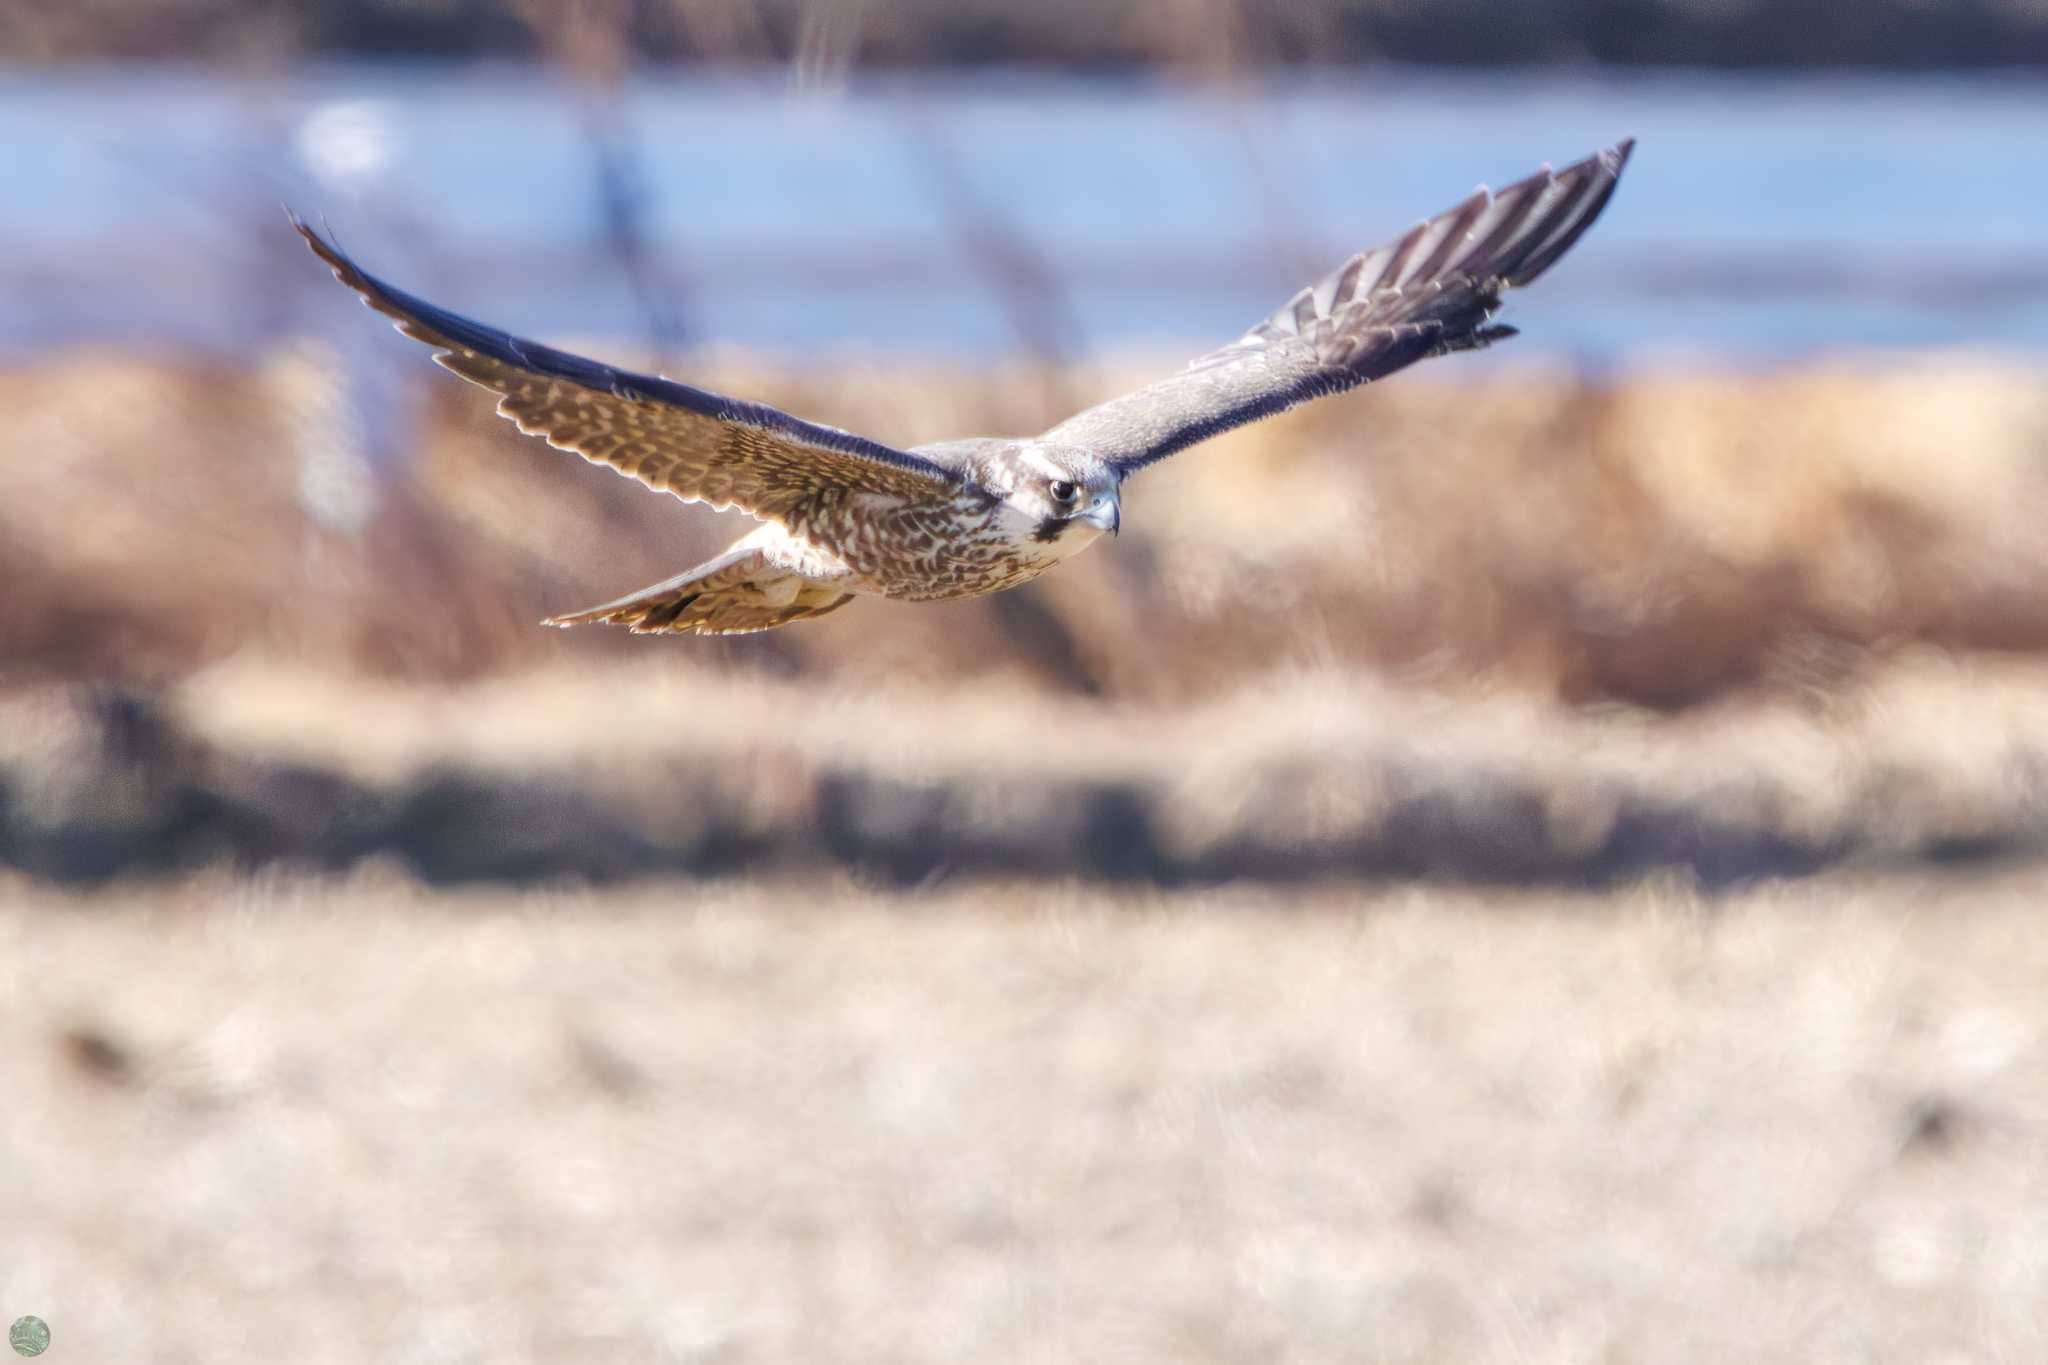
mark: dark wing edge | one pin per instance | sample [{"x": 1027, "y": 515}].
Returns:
[
  {"x": 1431, "y": 292},
  {"x": 457, "y": 339}
]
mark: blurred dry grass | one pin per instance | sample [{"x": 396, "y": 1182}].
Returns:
[
  {"x": 1426, "y": 629},
  {"x": 336, "y": 1121},
  {"x": 1659, "y": 541}
]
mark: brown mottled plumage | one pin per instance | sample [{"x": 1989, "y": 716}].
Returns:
[{"x": 846, "y": 515}]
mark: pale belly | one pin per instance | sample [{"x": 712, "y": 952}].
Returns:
[
  {"x": 924, "y": 555},
  {"x": 965, "y": 577}
]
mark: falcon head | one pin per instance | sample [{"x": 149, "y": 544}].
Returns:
[{"x": 1060, "y": 496}]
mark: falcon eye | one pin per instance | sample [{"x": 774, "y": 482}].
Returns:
[{"x": 1063, "y": 491}]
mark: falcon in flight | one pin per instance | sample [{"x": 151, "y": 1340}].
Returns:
[{"x": 844, "y": 515}]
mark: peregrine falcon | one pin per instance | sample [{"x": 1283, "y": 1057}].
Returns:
[{"x": 844, "y": 515}]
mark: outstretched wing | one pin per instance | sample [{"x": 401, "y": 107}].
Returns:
[
  {"x": 1433, "y": 291},
  {"x": 700, "y": 446}
]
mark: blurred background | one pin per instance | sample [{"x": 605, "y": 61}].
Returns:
[{"x": 1533, "y": 861}]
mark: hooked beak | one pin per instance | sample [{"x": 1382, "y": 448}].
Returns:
[{"x": 1104, "y": 512}]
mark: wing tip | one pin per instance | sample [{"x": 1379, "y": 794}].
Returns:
[
  {"x": 1587, "y": 185},
  {"x": 345, "y": 270},
  {"x": 322, "y": 248},
  {"x": 408, "y": 316}
]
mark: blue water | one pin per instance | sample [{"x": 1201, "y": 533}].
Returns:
[{"x": 1762, "y": 217}]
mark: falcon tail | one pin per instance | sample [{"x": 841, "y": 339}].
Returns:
[{"x": 735, "y": 594}]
